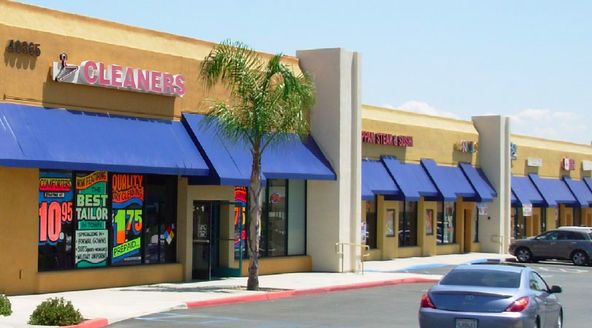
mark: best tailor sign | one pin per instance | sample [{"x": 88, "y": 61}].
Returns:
[{"x": 96, "y": 73}]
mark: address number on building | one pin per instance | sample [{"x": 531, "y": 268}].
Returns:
[{"x": 24, "y": 47}]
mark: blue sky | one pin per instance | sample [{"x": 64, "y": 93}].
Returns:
[{"x": 527, "y": 59}]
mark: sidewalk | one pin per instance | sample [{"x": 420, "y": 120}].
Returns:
[{"x": 116, "y": 304}]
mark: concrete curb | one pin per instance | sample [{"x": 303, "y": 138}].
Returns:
[
  {"x": 301, "y": 292},
  {"x": 92, "y": 323}
]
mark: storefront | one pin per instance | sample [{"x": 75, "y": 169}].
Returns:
[
  {"x": 419, "y": 206},
  {"x": 110, "y": 177},
  {"x": 549, "y": 186}
]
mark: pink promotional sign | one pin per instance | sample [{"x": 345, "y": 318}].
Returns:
[{"x": 99, "y": 74}]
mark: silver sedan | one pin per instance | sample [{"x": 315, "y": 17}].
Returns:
[{"x": 486, "y": 294}]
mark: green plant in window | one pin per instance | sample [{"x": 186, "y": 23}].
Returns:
[
  {"x": 5, "y": 307},
  {"x": 55, "y": 312},
  {"x": 268, "y": 102}
]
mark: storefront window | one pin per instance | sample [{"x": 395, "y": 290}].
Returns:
[
  {"x": 56, "y": 221},
  {"x": 296, "y": 217},
  {"x": 369, "y": 227},
  {"x": 283, "y": 219},
  {"x": 96, "y": 219},
  {"x": 577, "y": 216},
  {"x": 408, "y": 225},
  {"x": 160, "y": 219},
  {"x": 543, "y": 220},
  {"x": 446, "y": 223},
  {"x": 518, "y": 223}
]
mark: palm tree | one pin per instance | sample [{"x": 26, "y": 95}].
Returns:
[{"x": 268, "y": 102}]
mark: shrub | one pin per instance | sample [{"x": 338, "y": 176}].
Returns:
[
  {"x": 5, "y": 308},
  {"x": 55, "y": 312}
]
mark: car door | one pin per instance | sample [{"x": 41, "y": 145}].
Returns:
[
  {"x": 549, "y": 307},
  {"x": 571, "y": 243},
  {"x": 543, "y": 245}
]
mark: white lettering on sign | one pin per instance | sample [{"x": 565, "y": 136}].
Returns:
[
  {"x": 119, "y": 77},
  {"x": 534, "y": 162}
]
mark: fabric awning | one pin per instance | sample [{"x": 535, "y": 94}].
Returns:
[
  {"x": 376, "y": 180},
  {"x": 554, "y": 191},
  {"x": 40, "y": 137},
  {"x": 449, "y": 180},
  {"x": 526, "y": 192},
  {"x": 478, "y": 180},
  {"x": 230, "y": 160},
  {"x": 580, "y": 190},
  {"x": 412, "y": 179}
]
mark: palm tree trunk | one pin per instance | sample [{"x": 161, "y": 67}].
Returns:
[{"x": 255, "y": 220}]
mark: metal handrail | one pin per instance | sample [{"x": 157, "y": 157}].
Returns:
[{"x": 339, "y": 248}]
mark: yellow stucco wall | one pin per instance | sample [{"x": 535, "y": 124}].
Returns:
[
  {"x": 19, "y": 233},
  {"x": 27, "y": 79},
  {"x": 271, "y": 265},
  {"x": 427, "y": 131},
  {"x": 551, "y": 152}
]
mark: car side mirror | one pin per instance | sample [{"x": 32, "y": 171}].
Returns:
[{"x": 555, "y": 290}]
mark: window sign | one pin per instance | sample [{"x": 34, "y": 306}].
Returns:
[
  {"x": 240, "y": 221},
  {"x": 92, "y": 213},
  {"x": 482, "y": 208},
  {"x": 55, "y": 221},
  {"x": 127, "y": 204},
  {"x": 55, "y": 206},
  {"x": 586, "y": 165},
  {"x": 527, "y": 209}
]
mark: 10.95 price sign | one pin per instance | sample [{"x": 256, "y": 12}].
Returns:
[{"x": 24, "y": 47}]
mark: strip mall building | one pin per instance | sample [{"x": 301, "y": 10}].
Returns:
[{"x": 109, "y": 175}]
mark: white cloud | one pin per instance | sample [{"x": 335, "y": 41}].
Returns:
[
  {"x": 422, "y": 108},
  {"x": 550, "y": 124}
]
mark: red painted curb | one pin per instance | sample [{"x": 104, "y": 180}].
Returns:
[
  {"x": 300, "y": 292},
  {"x": 92, "y": 323}
]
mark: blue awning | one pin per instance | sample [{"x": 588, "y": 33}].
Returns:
[
  {"x": 588, "y": 182},
  {"x": 230, "y": 161},
  {"x": 554, "y": 191},
  {"x": 526, "y": 192},
  {"x": 479, "y": 182},
  {"x": 580, "y": 190},
  {"x": 47, "y": 138},
  {"x": 376, "y": 180},
  {"x": 412, "y": 179},
  {"x": 513, "y": 197},
  {"x": 449, "y": 180}
]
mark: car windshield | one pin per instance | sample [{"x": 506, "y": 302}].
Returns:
[{"x": 482, "y": 278}]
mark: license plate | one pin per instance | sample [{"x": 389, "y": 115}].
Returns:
[{"x": 466, "y": 323}]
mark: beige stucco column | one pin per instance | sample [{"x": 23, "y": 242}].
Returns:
[{"x": 334, "y": 211}]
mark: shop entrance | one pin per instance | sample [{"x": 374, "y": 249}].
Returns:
[
  {"x": 218, "y": 244},
  {"x": 206, "y": 216}
]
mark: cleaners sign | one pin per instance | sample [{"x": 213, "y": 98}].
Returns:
[{"x": 99, "y": 74}]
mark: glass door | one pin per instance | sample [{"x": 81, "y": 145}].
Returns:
[{"x": 202, "y": 239}]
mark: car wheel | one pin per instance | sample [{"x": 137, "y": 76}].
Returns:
[
  {"x": 523, "y": 254},
  {"x": 580, "y": 258}
]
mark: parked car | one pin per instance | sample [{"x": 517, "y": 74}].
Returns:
[
  {"x": 483, "y": 295},
  {"x": 565, "y": 243}
]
